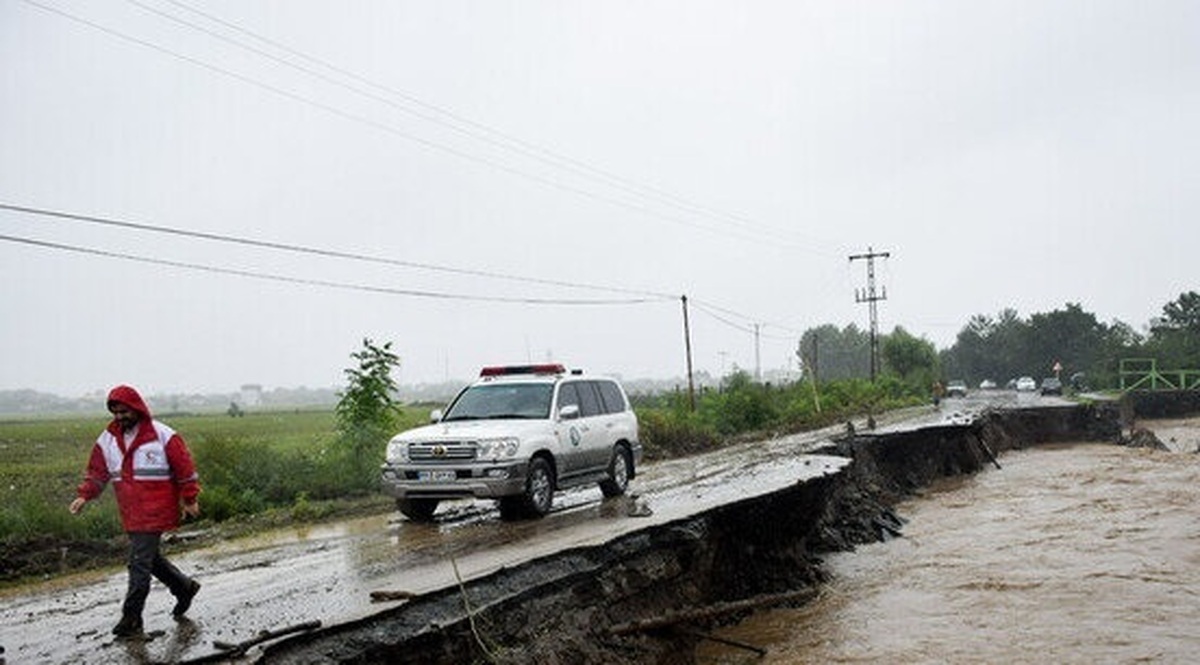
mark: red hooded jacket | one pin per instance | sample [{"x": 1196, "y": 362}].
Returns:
[{"x": 150, "y": 476}]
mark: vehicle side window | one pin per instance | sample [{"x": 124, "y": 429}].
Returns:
[
  {"x": 610, "y": 394},
  {"x": 589, "y": 399},
  {"x": 567, "y": 396}
]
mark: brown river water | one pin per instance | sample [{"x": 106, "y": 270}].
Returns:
[{"x": 1081, "y": 553}]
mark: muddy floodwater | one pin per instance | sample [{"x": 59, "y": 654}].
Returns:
[{"x": 1085, "y": 553}]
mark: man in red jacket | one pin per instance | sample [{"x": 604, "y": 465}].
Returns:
[{"x": 152, "y": 475}]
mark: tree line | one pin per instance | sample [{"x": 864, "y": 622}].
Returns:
[{"x": 1006, "y": 346}]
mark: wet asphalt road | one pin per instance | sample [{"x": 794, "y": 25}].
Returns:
[{"x": 328, "y": 572}]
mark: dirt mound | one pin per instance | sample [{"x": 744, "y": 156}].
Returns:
[
  {"x": 1143, "y": 438},
  {"x": 46, "y": 555}
]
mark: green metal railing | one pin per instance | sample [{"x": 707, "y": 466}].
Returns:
[{"x": 1144, "y": 374}]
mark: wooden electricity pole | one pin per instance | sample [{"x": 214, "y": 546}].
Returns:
[{"x": 687, "y": 344}]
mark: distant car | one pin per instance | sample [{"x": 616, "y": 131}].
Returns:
[
  {"x": 987, "y": 384},
  {"x": 1026, "y": 384},
  {"x": 1079, "y": 381},
  {"x": 956, "y": 389},
  {"x": 1051, "y": 386}
]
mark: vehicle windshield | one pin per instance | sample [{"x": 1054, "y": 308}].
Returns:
[{"x": 502, "y": 400}]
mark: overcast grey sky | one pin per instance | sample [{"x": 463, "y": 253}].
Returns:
[{"x": 547, "y": 178}]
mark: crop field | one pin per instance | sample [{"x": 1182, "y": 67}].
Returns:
[
  {"x": 282, "y": 466},
  {"x": 246, "y": 464}
]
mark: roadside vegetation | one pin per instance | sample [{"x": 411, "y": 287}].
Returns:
[
  {"x": 741, "y": 408},
  {"x": 274, "y": 467},
  {"x": 261, "y": 469}
]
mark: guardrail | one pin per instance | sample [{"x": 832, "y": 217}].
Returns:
[{"x": 1143, "y": 374}]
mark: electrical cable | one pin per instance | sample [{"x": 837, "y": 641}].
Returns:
[
  {"x": 317, "y": 282},
  {"x": 640, "y": 189},
  {"x": 461, "y": 154},
  {"x": 490, "y": 135},
  {"x": 311, "y": 250},
  {"x": 707, "y": 308}
]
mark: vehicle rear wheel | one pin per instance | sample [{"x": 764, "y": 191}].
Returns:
[
  {"x": 619, "y": 471},
  {"x": 417, "y": 510}
]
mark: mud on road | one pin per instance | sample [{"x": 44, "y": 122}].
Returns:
[
  {"x": 653, "y": 595},
  {"x": 643, "y": 579}
]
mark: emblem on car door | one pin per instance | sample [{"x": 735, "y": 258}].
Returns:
[{"x": 575, "y": 436}]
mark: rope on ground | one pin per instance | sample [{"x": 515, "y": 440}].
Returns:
[{"x": 462, "y": 589}]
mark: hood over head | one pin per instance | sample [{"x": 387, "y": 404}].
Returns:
[{"x": 129, "y": 397}]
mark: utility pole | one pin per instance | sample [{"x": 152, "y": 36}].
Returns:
[
  {"x": 815, "y": 357},
  {"x": 757, "y": 358},
  {"x": 870, "y": 297},
  {"x": 687, "y": 343}
]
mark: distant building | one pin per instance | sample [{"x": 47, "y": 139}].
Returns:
[{"x": 251, "y": 395}]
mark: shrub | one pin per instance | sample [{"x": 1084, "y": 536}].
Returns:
[{"x": 666, "y": 433}]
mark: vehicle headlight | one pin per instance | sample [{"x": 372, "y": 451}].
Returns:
[
  {"x": 397, "y": 451},
  {"x": 499, "y": 448}
]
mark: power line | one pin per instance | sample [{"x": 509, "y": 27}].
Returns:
[
  {"x": 708, "y": 308},
  {"x": 473, "y": 129},
  {"x": 317, "y": 282},
  {"x": 711, "y": 309},
  {"x": 489, "y": 134},
  {"x": 91, "y": 219},
  {"x": 461, "y": 154}
]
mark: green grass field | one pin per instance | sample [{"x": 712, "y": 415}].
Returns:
[
  {"x": 247, "y": 464},
  {"x": 275, "y": 467}
]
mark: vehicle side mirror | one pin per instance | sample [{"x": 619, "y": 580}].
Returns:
[
  {"x": 568, "y": 412},
  {"x": 435, "y": 416}
]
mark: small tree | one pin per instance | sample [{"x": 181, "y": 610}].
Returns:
[
  {"x": 366, "y": 412},
  {"x": 912, "y": 359}
]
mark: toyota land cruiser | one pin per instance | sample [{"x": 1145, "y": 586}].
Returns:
[{"x": 517, "y": 434}]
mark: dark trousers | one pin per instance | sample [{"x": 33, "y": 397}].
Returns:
[{"x": 144, "y": 561}]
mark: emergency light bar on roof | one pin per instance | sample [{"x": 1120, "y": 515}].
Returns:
[{"x": 507, "y": 370}]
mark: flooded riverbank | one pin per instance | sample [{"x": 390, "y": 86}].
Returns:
[
  {"x": 645, "y": 580},
  {"x": 1071, "y": 553}
]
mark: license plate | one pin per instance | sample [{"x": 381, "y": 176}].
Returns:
[{"x": 438, "y": 476}]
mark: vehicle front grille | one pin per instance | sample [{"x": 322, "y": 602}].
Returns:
[{"x": 442, "y": 451}]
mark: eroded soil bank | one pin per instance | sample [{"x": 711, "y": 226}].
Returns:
[{"x": 650, "y": 596}]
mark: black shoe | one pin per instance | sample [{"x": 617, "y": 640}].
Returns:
[
  {"x": 184, "y": 600},
  {"x": 128, "y": 626}
]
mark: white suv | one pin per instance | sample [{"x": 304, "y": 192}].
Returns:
[{"x": 517, "y": 434}]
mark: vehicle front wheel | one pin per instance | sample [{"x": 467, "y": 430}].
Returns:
[
  {"x": 620, "y": 468},
  {"x": 417, "y": 510},
  {"x": 539, "y": 493}
]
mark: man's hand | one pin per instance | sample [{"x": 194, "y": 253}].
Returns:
[
  {"x": 76, "y": 505},
  {"x": 192, "y": 509}
]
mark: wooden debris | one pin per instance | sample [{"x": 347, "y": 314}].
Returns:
[
  {"x": 986, "y": 450},
  {"x": 724, "y": 640},
  {"x": 238, "y": 648},
  {"x": 385, "y": 596},
  {"x": 712, "y": 611}
]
